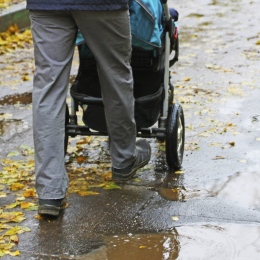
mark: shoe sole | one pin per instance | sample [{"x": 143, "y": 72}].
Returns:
[
  {"x": 51, "y": 210},
  {"x": 126, "y": 177}
]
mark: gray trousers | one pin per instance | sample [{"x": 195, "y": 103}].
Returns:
[{"x": 107, "y": 33}]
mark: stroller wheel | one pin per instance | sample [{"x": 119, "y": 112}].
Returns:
[
  {"x": 175, "y": 136},
  {"x": 66, "y": 138}
]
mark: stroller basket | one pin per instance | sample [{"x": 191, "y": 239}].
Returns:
[{"x": 148, "y": 100}]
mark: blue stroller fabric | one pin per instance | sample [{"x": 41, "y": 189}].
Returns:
[{"x": 146, "y": 24}]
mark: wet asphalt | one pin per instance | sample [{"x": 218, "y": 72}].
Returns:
[{"x": 211, "y": 210}]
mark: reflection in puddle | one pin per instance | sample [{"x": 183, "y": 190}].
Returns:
[
  {"x": 22, "y": 99},
  {"x": 219, "y": 242},
  {"x": 214, "y": 242},
  {"x": 182, "y": 194},
  {"x": 138, "y": 246},
  {"x": 242, "y": 188}
]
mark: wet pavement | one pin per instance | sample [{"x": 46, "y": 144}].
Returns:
[{"x": 209, "y": 210}]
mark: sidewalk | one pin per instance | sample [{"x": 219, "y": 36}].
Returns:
[
  {"x": 14, "y": 14},
  {"x": 210, "y": 206}
]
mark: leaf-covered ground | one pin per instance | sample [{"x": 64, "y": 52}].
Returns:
[
  {"x": 6, "y": 3},
  {"x": 88, "y": 162}
]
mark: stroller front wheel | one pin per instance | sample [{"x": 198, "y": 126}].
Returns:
[{"x": 175, "y": 136}]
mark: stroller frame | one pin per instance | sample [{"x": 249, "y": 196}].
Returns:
[{"x": 171, "y": 126}]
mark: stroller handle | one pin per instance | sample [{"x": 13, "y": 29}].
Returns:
[{"x": 166, "y": 10}]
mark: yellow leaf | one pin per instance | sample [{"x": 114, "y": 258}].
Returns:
[
  {"x": 2, "y": 194},
  {"x": 85, "y": 141},
  {"x": 14, "y": 238},
  {"x": 142, "y": 247},
  {"x": 187, "y": 79},
  {"x": 25, "y": 78},
  {"x": 87, "y": 193},
  {"x": 111, "y": 186},
  {"x": 175, "y": 218},
  {"x": 5, "y": 226},
  {"x": 20, "y": 198},
  {"x": 39, "y": 217},
  {"x": 26, "y": 204},
  {"x": 16, "y": 230},
  {"x": 6, "y": 116},
  {"x": 29, "y": 193},
  {"x": 12, "y": 205},
  {"x": 14, "y": 153},
  {"x": 107, "y": 176},
  {"x": 16, "y": 186},
  {"x": 15, "y": 253},
  {"x": 12, "y": 217},
  {"x": 179, "y": 172}
]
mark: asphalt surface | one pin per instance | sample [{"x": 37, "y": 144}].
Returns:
[{"x": 211, "y": 209}]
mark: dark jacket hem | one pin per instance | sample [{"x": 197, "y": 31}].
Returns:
[{"x": 76, "y": 7}]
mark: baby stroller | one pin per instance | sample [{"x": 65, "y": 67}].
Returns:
[{"x": 153, "y": 91}]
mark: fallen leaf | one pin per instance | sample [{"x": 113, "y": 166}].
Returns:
[
  {"x": 16, "y": 186},
  {"x": 179, "y": 172},
  {"x": 107, "y": 176},
  {"x": 14, "y": 153},
  {"x": 29, "y": 193},
  {"x": 243, "y": 161},
  {"x": 26, "y": 204},
  {"x": 175, "y": 218},
  {"x": 39, "y": 217},
  {"x": 2, "y": 194},
  {"x": 12, "y": 205},
  {"x": 218, "y": 157},
  {"x": 80, "y": 159},
  {"x": 87, "y": 193},
  {"x": 26, "y": 78},
  {"x": 14, "y": 238},
  {"x": 12, "y": 217},
  {"x": 111, "y": 186}
]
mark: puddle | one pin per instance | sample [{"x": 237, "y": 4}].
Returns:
[
  {"x": 22, "y": 99},
  {"x": 182, "y": 194},
  {"x": 11, "y": 127},
  {"x": 241, "y": 188},
  {"x": 212, "y": 242}
]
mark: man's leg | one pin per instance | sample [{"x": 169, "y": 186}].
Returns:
[
  {"x": 54, "y": 35},
  {"x": 107, "y": 34}
]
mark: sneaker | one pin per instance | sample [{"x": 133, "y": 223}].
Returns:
[
  {"x": 143, "y": 156},
  {"x": 51, "y": 207}
]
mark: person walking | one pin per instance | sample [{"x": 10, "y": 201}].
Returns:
[{"x": 105, "y": 26}]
